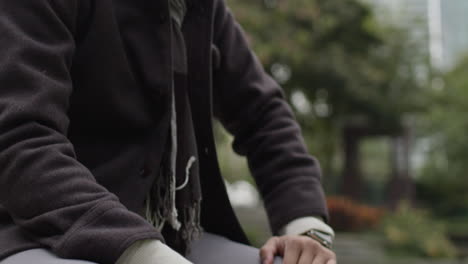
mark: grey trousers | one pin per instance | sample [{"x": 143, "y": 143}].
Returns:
[{"x": 210, "y": 249}]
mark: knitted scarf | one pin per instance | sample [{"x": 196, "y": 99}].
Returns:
[{"x": 175, "y": 196}]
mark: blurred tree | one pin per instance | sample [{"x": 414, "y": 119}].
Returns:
[
  {"x": 346, "y": 77},
  {"x": 443, "y": 181}
]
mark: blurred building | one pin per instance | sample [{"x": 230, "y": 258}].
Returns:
[
  {"x": 453, "y": 38},
  {"x": 442, "y": 24},
  {"x": 403, "y": 13}
]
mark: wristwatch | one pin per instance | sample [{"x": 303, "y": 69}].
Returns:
[{"x": 325, "y": 239}]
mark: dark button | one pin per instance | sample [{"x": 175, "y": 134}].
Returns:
[
  {"x": 155, "y": 91},
  {"x": 201, "y": 12},
  {"x": 144, "y": 172},
  {"x": 162, "y": 18},
  {"x": 201, "y": 8}
]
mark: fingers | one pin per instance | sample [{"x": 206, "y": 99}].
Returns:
[
  {"x": 307, "y": 256},
  {"x": 324, "y": 256},
  {"x": 292, "y": 251},
  {"x": 296, "y": 250},
  {"x": 319, "y": 259},
  {"x": 269, "y": 250}
]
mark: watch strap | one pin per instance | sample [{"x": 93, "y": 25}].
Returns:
[{"x": 325, "y": 239}]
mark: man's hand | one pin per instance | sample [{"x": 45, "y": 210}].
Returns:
[{"x": 296, "y": 250}]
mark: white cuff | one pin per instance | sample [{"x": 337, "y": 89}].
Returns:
[
  {"x": 304, "y": 224},
  {"x": 151, "y": 252}
]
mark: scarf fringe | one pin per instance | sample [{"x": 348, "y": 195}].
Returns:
[{"x": 161, "y": 206}]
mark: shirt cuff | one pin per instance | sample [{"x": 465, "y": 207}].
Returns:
[
  {"x": 304, "y": 224},
  {"x": 149, "y": 252}
]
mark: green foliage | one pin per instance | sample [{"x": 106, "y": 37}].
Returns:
[
  {"x": 414, "y": 232},
  {"x": 443, "y": 181},
  {"x": 335, "y": 51},
  {"x": 335, "y": 57}
]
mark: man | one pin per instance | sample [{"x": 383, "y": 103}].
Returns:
[{"x": 106, "y": 146}]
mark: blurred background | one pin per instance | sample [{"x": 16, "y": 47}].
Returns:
[{"x": 380, "y": 88}]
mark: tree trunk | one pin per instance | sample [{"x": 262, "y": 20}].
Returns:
[
  {"x": 352, "y": 175},
  {"x": 400, "y": 185}
]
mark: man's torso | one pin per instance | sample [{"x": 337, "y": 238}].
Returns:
[{"x": 118, "y": 111}]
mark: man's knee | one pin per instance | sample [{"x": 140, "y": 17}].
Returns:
[
  {"x": 39, "y": 256},
  {"x": 214, "y": 249}
]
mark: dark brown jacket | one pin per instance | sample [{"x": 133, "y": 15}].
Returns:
[{"x": 83, "y": 85}]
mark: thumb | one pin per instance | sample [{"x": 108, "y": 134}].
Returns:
[{"x": 270, "y": 250}]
